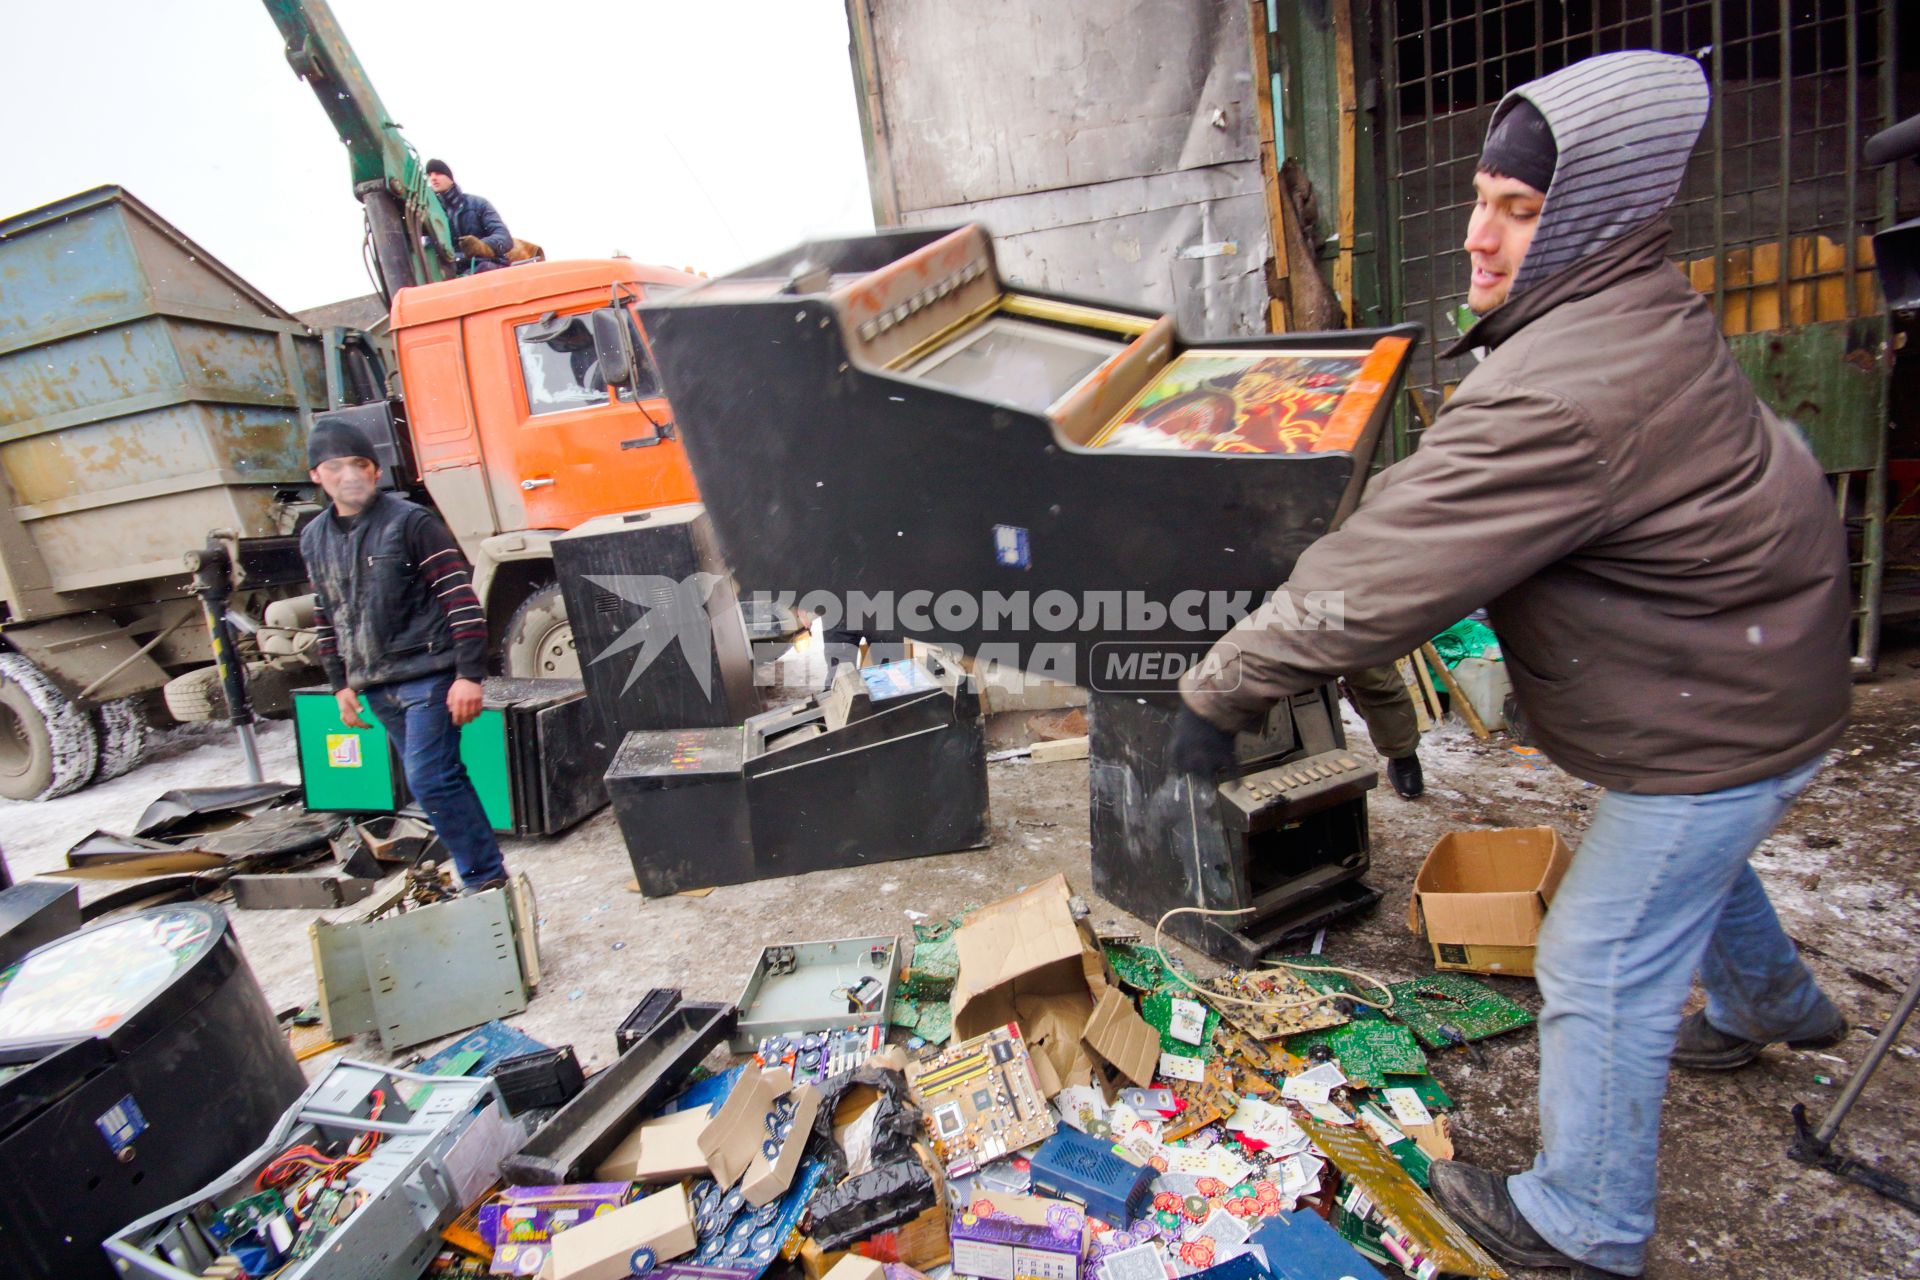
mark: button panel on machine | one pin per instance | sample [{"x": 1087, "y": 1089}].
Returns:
[{"x": 1301, "y": 784}]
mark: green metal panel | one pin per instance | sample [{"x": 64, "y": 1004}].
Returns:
[
  {"x": 345, "y": 770},
  {"x": 342, "y": 770},
  {"x": 483, "y": 749},
  {"x": 1829, "y": 378}
]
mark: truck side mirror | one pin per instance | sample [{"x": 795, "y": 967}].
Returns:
[{"x": 613, "y": 346}]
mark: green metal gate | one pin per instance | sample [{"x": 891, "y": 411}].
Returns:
[{"x": 1773, "y": 220}]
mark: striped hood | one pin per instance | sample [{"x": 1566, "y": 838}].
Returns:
[{"x": 1624, "y": 124}]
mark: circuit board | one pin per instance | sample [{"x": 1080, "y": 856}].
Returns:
[
  {"x": 1207, "y": 1100},
  {"x": 1269, "y": 986},
  {"x": 1367, "y": 1051},
  {"x": 1136, "y": 966},
  {"x": 980, "y": 1099},
  {"x": 1432, "y": 1096},
  {"x": 931, "y": 1020},
  {"x": 1157, "y": 1009},
  {"x": 1445, "y": 1008},
  {"x": 1377, "y": 1188},
  {"x": 812, "y": 1057}
]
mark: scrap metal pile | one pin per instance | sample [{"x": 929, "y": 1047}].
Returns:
[{"x": 1056, "y": 1105}]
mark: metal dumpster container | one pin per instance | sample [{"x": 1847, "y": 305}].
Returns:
[{"x": 147, "y": 395}]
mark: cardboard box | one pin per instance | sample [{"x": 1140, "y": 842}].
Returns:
[
  {"x": 768, "y": 1180},
  {"x": 1024, "y": 959},
  {"x": 659, "y": 1150},
  {"x": 529, "y": 1215},
  {"x": 1482, "y": 895},
  {"x": 731, "y": 1143},
  {"x": 1000, "y": 1247},
  {"x": 854, "y": 1267},
  {"x": 921, "y": 1244},
  {"x": 1065, "y": 1217},
  {"x": 603, "y": 1247}
]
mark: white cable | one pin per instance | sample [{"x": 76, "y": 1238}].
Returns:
[{"x": 1318, "y": 997}]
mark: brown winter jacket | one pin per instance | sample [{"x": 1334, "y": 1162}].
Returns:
[{"x": 1660, "y": 553}]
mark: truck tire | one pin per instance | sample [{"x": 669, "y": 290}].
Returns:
[
  {"x": 538, "y": 644},
  {"x": 122, "y": 730},
  {"x": 198, "y": 695},
  {"x": 47, "y": 743},
  {"x": 195, "y": 696}
]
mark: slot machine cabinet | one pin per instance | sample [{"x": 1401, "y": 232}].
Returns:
[{"x": 886, "y": 415}]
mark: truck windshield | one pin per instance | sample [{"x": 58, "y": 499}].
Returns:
[{"x": 560, "y": 372}]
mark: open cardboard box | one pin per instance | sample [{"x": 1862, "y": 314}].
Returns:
[
  {"x": 1025, "y": 959},
  {"x": 1483, "y": 894}
]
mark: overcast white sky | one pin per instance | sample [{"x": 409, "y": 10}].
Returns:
[{"x": 677, "y": 132}]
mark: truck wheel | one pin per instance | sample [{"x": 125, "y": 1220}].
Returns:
[
  {"x": 122, "y": 731},
  {"x": 198, "y": 695},
  {"x": 195, "y": 696},
  {"x": 538, "y": 644},
  {"x": 47, "y": 743}
]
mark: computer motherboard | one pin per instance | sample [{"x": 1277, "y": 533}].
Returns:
[{"x": 981, "y": 1099}]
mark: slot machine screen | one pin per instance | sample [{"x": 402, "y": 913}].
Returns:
[{"x": 1016, "y": 362}]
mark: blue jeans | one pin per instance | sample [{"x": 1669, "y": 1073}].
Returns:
[
  {"x": 1660, "y": 888},
  {"x": 416, "y": 718}
]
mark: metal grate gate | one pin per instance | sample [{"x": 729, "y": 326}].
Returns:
[{"x": 1773, "y": 220}]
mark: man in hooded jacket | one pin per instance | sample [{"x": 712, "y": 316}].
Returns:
[{"x": 1663, "y": 563}]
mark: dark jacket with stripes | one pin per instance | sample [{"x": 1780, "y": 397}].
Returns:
[{"x": 394, "y": 596}]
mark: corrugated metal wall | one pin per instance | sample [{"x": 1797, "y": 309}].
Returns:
[{"x": 1111, "y": 146}]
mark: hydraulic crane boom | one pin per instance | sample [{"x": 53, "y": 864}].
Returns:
[{"x": 412, "y": 243}]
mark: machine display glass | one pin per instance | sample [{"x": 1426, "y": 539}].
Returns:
[
  {"x": 1249, "y": 402},
  {"x": 1017, "y": 362},
  {"x": 88, "y": 983}
]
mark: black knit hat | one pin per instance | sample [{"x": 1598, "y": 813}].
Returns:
[
  {"x": 337, "y": 440},
  {"x": 1520, "y": 145},
  {"x": 439, "y": 166}
]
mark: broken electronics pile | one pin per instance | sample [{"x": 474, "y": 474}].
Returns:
[{"x": 1053, "y": 1104}]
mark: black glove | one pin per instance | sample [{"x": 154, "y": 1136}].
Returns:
[{"x": 1200, "y": 747}]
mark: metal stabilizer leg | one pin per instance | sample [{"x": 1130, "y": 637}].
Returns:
[{"x": 1815, "y": 1146}]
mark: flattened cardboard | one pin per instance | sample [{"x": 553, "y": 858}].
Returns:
[
  {"x": 1122, "y": 1038},
  {"x": 659, "y": 1151},
  {"x": 1481, "y": 896},
  {"x": 602, "y": 1248},
  {"x": 1024, "y": 959},
  {"x": 731, "y": 1143},
  {"x": 768, "y": 1180}
]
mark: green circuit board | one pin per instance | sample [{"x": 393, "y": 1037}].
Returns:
[
  {"x": 1442, "y": 1002},
  {"x": 1136, "y": 966},
  {"x": 1432, "y": 1096},
  {"x": 1368, "y": 1051},
  {"x": 1157, "y": 1010}
]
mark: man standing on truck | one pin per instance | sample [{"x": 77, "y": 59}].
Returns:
[
  {"x": 1662, "y": 560},
  {"x": 399, "y": 623},
  {"x": 479, "y": 233}
]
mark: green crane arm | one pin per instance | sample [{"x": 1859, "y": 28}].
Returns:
[{"x": 412, "y": 242}]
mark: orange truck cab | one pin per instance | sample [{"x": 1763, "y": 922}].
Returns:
[{"x": 517, "y": 439}]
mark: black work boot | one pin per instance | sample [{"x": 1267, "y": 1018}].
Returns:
[
  {"x": 1478, "y": 1201},
  {"x": 1704, "y": 1047},
  {"x": 1406, "y": 777}
]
